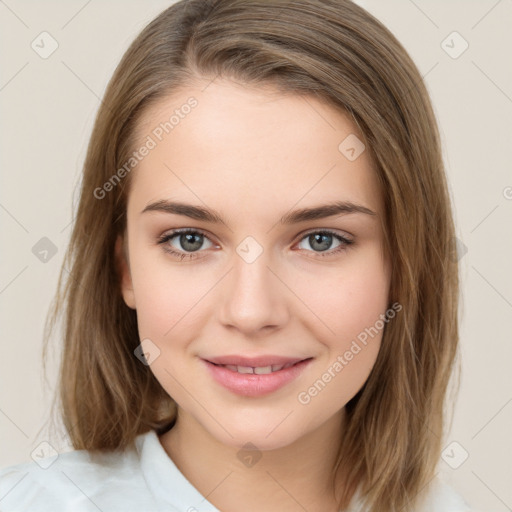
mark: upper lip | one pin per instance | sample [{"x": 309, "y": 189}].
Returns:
[{"x": 259, "y": 361}]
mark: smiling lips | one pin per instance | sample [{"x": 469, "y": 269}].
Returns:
[{"x": 255, "y": 376}]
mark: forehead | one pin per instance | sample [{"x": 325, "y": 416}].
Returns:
[{"x": 251, "y": 146}]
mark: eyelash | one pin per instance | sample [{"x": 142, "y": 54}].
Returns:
[{"x": 345, "y": 242}]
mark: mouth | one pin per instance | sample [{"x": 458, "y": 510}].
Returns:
[{"x": 253, "y": 379}]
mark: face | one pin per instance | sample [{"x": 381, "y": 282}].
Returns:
[{"x": 255, "y": 282}]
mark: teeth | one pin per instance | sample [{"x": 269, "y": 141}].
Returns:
[
  {"x": 262, "y": 370},
  {"x": 258, "y": 370},
  {"x": 244, "y": 369}
]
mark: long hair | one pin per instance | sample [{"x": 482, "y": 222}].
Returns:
[{"x": 338, "y": 52}]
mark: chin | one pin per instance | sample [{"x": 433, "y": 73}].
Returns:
[{"x": 263, "y": 435}]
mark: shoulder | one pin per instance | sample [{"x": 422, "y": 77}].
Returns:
[
  {"x": 442, "y": 498},
  {"x": 438, "y": 497},
  {"x": 76, "y": 480}
]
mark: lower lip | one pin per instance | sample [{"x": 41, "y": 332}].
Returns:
[{"x": 251, "y": 384}]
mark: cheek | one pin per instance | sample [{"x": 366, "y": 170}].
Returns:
[
  {"x": 348, "y": 303},
  {"x": 351, "y": 331},
  {"x": 346, "y": 300},
  {"x": 166, "y": 298}
]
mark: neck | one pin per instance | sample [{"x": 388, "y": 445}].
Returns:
[{"x": 295, "y": 477}]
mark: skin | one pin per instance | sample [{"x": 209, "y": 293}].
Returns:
[{"x": 254, "y": 155}]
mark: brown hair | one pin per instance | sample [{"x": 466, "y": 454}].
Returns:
[{"x": 338, "y": 52}]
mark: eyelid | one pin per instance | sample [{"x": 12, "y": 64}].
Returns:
[
  {"x": 299, "y": 237},
  {"x": 183, "y": 231},
  {"x": 344, "y": 234}
]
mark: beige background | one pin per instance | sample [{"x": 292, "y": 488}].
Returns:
[{"x": 47, "y": 110}]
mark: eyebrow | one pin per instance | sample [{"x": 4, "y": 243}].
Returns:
[{"x": 294, "y": 217}]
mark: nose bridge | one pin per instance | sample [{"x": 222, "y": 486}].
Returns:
[{"x": 253, "y": 297}]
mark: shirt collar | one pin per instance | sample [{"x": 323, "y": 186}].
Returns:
[{"x": 165, "y": 480}]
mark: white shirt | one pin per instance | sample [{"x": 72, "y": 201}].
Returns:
[{"x": 142, "y": 480}]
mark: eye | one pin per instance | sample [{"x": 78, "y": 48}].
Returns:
[
  {"x": 183, "y": 243},
  {"x": 186, "y": 242},
  {"x": 321, "y": 242}
]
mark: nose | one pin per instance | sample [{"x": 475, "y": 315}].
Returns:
[{"x": 253, "y": 298}]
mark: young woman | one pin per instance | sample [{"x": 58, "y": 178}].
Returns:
[{"x": 260, "y": 292}]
